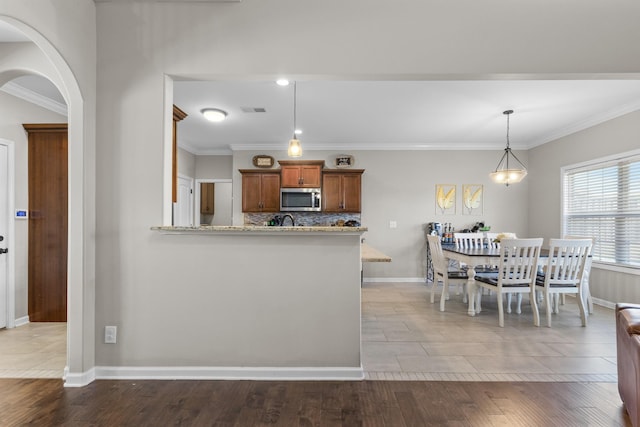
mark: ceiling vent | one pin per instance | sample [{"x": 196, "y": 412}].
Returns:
[{"x": 254, "y": 109}]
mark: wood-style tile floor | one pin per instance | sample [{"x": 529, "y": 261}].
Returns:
[
  {"x": 405, "y": 337},
  {"x": 34, "y": 350}
]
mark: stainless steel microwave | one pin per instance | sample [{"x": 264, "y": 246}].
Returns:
[{"x": 300, "y": 199}]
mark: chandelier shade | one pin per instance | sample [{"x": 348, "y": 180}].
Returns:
[{"x": 510, "y": 169}]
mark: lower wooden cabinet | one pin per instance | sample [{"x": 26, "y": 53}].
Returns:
[
  {"x": 341, "y": 190},
  {"x": 260, "y": 191}
]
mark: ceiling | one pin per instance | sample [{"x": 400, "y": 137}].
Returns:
[{"x": 343, "y": 115}]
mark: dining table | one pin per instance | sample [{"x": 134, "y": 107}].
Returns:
[{"x": 473, "y": 257}]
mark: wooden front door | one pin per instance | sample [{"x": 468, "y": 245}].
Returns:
[{"x": 48, "y": 190}]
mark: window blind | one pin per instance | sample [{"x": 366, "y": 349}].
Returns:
[{"x": 602, "y": 201}]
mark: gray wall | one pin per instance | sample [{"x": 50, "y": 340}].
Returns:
[
  {"x": 213, "y": 167},
  {"x": 186, "y": 163},
  {"x": 400, "y": 186},
  {"x": 414, "y": 39},
  {"x": 613, "y": 137}
]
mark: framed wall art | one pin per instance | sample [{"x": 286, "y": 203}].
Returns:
[
  {"x": 445, "y": 199},
  {"x": 472, "y": 199}
]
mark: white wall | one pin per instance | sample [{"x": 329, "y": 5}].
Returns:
[
  {"x": 613, "y": 137},
  {"x": 13, "y": 113}
]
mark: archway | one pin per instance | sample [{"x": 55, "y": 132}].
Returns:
[{"x": 81, "y": 266}]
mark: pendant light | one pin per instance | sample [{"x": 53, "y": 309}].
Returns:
[
  {"x": 295, "y": 149},
  {"x": 508, "y": 172}
]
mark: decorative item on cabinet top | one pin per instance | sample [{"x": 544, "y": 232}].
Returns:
[
  {"x": 344, "y": 161},
  {"x": 263, "y": 161}
]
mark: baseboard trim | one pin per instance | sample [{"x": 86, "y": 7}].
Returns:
[
  {"x": 604, "y": 303},
  {"x": 394, "y": 280},
  {"x": 79, "y": 380},
  {"x": 227, "y": 373},
  {"x": 22, "y": 321}
]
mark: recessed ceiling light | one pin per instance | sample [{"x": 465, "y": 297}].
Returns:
[
  {"x": 214, "y": 114},
  {"x": 282, "y": 82}
]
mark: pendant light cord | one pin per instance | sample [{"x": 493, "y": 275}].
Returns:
[{"x": 294, "y": 110}]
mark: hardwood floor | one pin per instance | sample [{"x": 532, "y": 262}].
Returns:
[{"x": 45, "y": 402}]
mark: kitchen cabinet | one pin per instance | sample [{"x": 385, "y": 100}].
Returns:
[
  {"x": 341, "y": 190},
  {"x": 260, "y": 191},
  {"x": 207, "y": 197},
  {"x": 301, "y": 173}
]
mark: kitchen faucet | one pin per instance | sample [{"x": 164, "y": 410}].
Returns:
[{"x": 293, "y": 223}]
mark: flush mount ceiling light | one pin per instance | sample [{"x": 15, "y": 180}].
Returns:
[
  {"x": 295, "y": 149},
  {"x": 282, "y": 82},
  {"x": 508, "y": 172},
  {"x": 214, "y": 114}
]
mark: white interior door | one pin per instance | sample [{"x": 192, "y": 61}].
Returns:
[
  {"x": 184, "y": 206},
  {"x": 4, "y": 228}
]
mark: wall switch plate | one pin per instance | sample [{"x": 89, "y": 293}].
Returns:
[
  {"x": 393, "y": 224},
  {"x": 110, "y": 334}
]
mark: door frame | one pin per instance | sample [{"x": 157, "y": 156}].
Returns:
[
  {"x": 191, "y": 197},
  {"x": 11, "y": 261},
  {"x": 196, "y": 200}
]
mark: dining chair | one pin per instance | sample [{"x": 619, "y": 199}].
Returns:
[
  {"x": 563, "y": 274},
  {"x": 442, "y": 273},
  {"x": 468, "y": 241},
  {"x": 493, "y": 242},
  {"x": 586, "y": 291},
  {"x": 516, "y": 272}
]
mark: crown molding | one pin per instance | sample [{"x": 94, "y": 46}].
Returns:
[{"x": 35, "y": 98}]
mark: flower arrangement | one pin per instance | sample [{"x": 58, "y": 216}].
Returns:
[{"x": 504, "y": 236}]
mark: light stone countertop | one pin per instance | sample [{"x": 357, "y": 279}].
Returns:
[{"x": 229, "y": 229}]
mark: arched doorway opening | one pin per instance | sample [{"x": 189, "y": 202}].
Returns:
[{"x": 81, "y": 173}]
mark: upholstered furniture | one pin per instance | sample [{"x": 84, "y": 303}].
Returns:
[{"x": 628, "y": 349}]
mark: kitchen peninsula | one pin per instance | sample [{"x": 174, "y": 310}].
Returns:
[{"x": 279, "y": 302}]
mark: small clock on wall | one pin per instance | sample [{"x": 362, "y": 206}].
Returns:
[{"x": 263, "y": 161}]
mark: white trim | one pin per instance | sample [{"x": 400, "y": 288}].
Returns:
[
  {"x": 617, "y": 268},
  {"x": 196, "y": 199},
  {"x": 192, "y": 196},
  {"x": 21, "y": 321},
  {"x": 394, "y": 279},
  {"x": 228, "y": 373},
  {"x": 28, "y": 95},
  {"x": 604, "y": 303},
  {"x": 599, "y": 160},
  {"x": 10, "y": 237},
  {"x": 79, "y": 380}
]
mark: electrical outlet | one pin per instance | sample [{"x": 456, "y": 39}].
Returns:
[
  {"x": 110, "y": 334},
  {"x": 393, "y": 224}
]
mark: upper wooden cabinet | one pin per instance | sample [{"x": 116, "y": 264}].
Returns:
[
  {"x": 207, "y": 197},
  {"x": 341, "y": 190},
  {"x": 301, "y": 173},
  {"x": 260, "y": 191}
]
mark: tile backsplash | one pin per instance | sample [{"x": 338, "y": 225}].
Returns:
[{"x": 302, "y": 218}]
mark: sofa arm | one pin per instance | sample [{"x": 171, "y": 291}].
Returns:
[{"x": 628, "y": 352}]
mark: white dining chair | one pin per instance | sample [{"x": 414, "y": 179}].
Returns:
[
  {"x": 516, "y": 272},
  {"x": 493, "y": 242},
  {"x": 468, "y": 241},
  {"x": 586, "y": 291},
  {"x": 563, "y": 274},
  {"x": 442, "y": 273}
]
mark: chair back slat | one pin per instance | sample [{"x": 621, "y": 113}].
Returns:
[
  {"x": 567, "y": 259},
  {"x": 440, "y": 264},
  {"x": 469, "y": 240},
  {"x": 518, "y": 261}
]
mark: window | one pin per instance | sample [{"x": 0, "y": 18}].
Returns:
[{"x": 602, "y": 200}]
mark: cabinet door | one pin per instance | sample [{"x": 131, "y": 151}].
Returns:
[
  {"x": 351, "y": 193},
  {"x": 331, "y": 193},
  {"x": 310, "y": 176},
  {"x": 251, "y": 193},
  {"x": 207, "y": 197},
  {"x": 270, "y": 192},
  {"x": 290, "y": 176}
]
